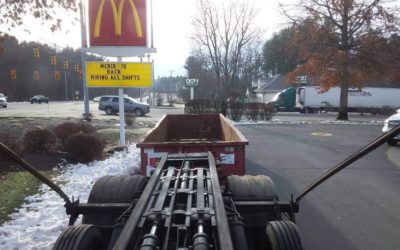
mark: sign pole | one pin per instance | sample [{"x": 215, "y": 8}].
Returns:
[
  {"x": 121, "y": 113},
  {"x": 192, "y": 83},
  {"x": 86, "y": 113}
]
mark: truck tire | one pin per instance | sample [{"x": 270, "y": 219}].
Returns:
[
  {"x": 79, "y": 237},
  {"x": 109, "y": 110},
  {"x": 252, "y": 188},
  {"x": 392, "y": 142},
  {"x": 114, "y": 189},
  {"x": 283, "y": 235}
]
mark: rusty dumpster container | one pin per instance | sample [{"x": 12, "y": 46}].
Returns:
[{"x": 191, "y": 134}]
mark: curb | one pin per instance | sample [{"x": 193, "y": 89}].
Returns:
[{"x": 281, "y": 122}]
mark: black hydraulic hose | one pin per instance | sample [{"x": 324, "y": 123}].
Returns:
[
  {"x": 354, "y": 157},
  {"x": 7, "y": 151},
  {"x": 238, "y": 233}
]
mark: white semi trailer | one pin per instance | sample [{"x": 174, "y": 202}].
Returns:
[{"x": 309, "y": 99}]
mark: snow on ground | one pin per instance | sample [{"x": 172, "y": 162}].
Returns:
[{"x": 37, "y": 224}]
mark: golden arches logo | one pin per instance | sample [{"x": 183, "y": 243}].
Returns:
[{"x": 117, "y": 15}]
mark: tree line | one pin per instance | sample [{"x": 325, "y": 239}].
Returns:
[
  {"x": 345, "y": 43},
  {"x": 334, "y": 43},
  {"x": 31, "y": 68}
]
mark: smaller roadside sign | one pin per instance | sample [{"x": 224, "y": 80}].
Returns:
[
  {"x": 192, "y": 82},
  {"x": 119, "y": 74}
]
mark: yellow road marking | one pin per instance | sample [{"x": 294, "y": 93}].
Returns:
[{"x": 321, "y": 134}]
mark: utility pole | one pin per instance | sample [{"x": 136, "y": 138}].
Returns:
[
  {"x": 65, "y": 82},
  {"x": 86, "y": 113}
]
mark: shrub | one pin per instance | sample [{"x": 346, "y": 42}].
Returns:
[
  {"x": 253, "y": 110},
  {"x": 224, "y": 108},
  {"x": 40, "y": 140},
  {"x": 236, "y": 110},
  {"x": 8, "y": 140},
  {"x": 66, "y": 129},
  {"x": 205, "y": 106},
  {"x": 197, "y": 106},
  {"x": 266, "y": 111},
  {"x": 159, "y": 101},
  {"x": 130, "y": 119},
  {"x": 83, "y": 147}
]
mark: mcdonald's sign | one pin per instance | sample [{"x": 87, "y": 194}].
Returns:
[{"x": 117, "y": 22}]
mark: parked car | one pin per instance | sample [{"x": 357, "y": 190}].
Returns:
[
  {"x": 3, "y": 100},
  {"x": 39, "y": 99},
  {"x": 96, "y": 99},
  {"x": 390, "y": 123},
  {"x": 110, "y": 104}
]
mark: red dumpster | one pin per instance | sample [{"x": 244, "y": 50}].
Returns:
[{"x": 195, "y": 133}]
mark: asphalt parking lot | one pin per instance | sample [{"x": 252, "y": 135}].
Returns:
[
  {"x": 75, "y": 109},
  {"x": 355, "y": 209}
]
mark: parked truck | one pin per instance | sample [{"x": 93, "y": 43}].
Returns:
[
  {"x": 188, "y": 202},
  {"x": 310, "y": 99},
  {"x": 385, "y": 101},
  {"x": 285, "y": 101}
]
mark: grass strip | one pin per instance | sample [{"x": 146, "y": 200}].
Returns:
[{"x": 14, "y": 187}]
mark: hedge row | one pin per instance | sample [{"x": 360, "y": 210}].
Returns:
[
  {"x": 79, "y": 140},
  {"x": 254, "y": 111},
  {"x": 204, "y": 106}
]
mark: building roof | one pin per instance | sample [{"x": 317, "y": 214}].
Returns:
[{"x": 273, "y": 84}]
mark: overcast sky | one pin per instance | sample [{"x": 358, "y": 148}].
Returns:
[{"x": 172, "y": 31}]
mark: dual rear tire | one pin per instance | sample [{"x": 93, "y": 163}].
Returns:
[
  {"x": 113, "y": 189},
  {"x": 263, "y": 230},
  {"x": 283, "y": 235},
  {"x": 96, "y": 230},
  {"x": 79, "y": 237}
]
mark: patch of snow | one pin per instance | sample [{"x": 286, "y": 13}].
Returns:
[
  {"x": 318, "y": 122},
  {"x": 38, "y": 222}
]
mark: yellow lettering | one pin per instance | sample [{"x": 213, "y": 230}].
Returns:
[{"x": 117, "y": 16}]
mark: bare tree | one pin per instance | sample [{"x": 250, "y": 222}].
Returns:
[
  {"x": 221, "y": 34},
  {"x": 336, "y": 31},
  {"x": 12, "y": 11}
]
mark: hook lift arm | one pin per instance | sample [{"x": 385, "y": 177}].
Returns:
[{"x": 7, "y": 151}]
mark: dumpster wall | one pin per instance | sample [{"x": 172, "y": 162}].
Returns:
[
  {"x": 198, "y": 128},
  {"x": 195, "y": 133}
]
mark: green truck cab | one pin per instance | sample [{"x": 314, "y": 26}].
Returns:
[{"x": 285, "y": 100}]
